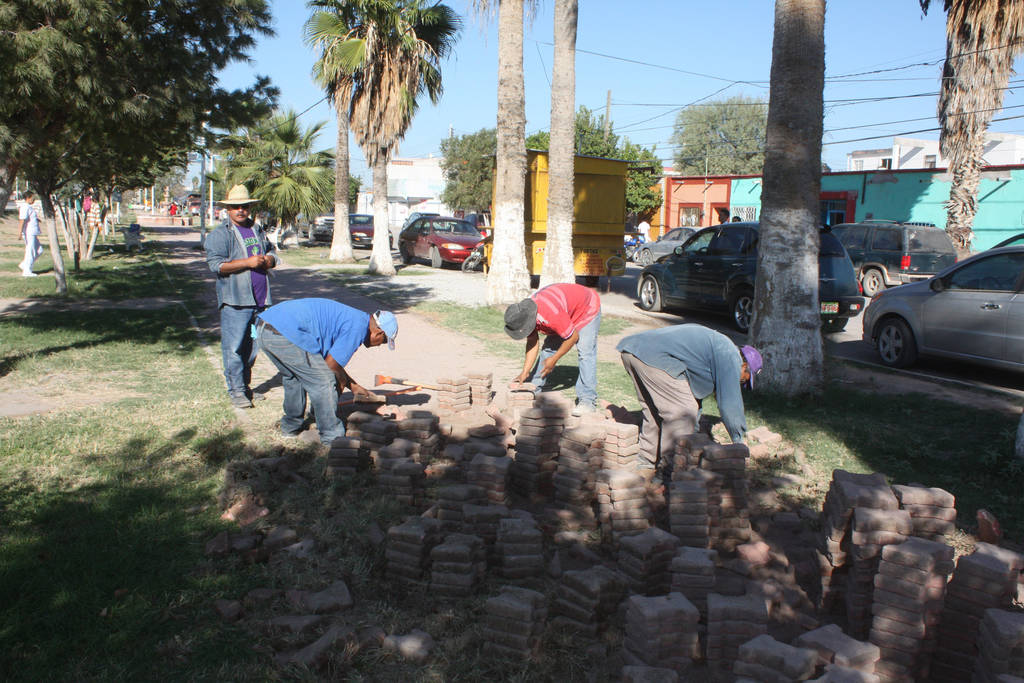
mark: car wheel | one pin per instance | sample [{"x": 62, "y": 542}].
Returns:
[
  {"x": 646, "y": 257},
  {"x": 872, "y": 282},
  {"x": 741, "y": 309},
  {"x": 406, "y": 255},
  {"x": 435, "y": 258},
  {"x": 895, "y": 343},
  {"x": 834, "y": 325},
  {"x": 650, "y": 294}
]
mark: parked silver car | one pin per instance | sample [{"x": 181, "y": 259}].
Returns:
[
  {"x": 971, "y": 311},
  {"x": 650, "y": 252}
]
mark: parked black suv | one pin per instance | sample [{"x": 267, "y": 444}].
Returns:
[
  {"x": 714, "y": 270},
  {"x": 887, "y": 253}
]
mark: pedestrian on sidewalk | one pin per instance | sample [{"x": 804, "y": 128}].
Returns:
[
  {"x": 569, "y": 315},
  {"x": 240, "y": 255},
  {"x": 29, "y": 218},
  {"x": 673, "y": 369},
  {"x": 310, "y": 341}
]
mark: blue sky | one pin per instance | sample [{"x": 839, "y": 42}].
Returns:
[{"x": 657, "y": 56}]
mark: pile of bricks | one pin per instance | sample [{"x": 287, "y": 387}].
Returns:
[
  {"x": 932, "y": 511},
  {"x": 453, "y": 395},
  {"x": 580, "y": 457},
  {"x": 483, "y": 521},
  {"x": 514, "y": 622},
  {"x": 587, "y": 598},
  {"x": 520, "y": 399},
  {"x": 622, "y": 502},
  {"x": 536, "y": 450},
  {"x": 404, "y": 479},
  {"x": 421, "y": 427},
  {"x": 729, "y": 461},
  {"x": 621, "y": 445},
  {"x": 390, "y": 455},
  {"x": 661, "y": 632},
  {"x": 766, "y": 660},
  {"x": 451, "y": 499},
  {"x": 1000, "y": 647},
  {"x": 837, "y": 650},
  {"x": 480, "y": 387},
  {"x": 909, "y": 590},
  {"x": 732, "y": 621},
  {"x": 985, "y": 579},
  {"x": 519, "y": 549},
  {"x": 692, "y": 497},
  {"x": 407, "y": 552},
  {"x": 346, "y": 457},
  {"x": 688, "y": 451},
  {"x": 871, "y": 530},
  {"x": 645, "y": 559},
  {"x": 372, "y": 431},
  {"x": 693, "y": 575},
  {"x": 457, "y": 565},
  {"x": 490, "y": 473}
]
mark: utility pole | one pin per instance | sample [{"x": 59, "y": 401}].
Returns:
[
  {"x": 202, "y": 195},
  {"x": 608, "y": 116}
]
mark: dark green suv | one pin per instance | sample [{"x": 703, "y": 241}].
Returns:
[{"x": 887, "y": 253}]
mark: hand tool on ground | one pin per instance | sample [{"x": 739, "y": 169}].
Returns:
[{"x": 387, "y": 379}]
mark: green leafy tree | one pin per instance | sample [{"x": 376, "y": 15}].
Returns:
[
  {"x": 720, "y": 138},
  {"x": 468, "y": 167}
]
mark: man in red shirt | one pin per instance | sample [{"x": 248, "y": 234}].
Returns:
[{"x": 569, "y": 315}]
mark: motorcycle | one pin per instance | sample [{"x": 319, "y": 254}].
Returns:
[
  {"x": 478, "y": 258},
  {"x": 631, "y": 243}
]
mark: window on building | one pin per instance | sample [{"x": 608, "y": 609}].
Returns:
[
  {"x": 885, "y": 163},
  {"x": 929, "y": 161},
  {"x": 689, "y": 216},
  {"x": 858, "y": 165}
]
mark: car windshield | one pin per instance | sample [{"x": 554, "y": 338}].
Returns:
[
  {"x": 931, "y": 239},
  {"x": 359, "y": 219},
  {"x": 830, "y": 246},
  {"x": 456, "y": 227}
]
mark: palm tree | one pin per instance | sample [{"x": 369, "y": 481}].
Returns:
[
  {"x": 276, "y": 161},
  {"x": 558, "y": 253},
  {"x": 787, "y": 324},
  {"x": 329, "y": 29},
  {"x": 392, "y": 51},
  {"x": 982, "y": 39}
]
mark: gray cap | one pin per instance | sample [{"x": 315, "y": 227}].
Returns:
[{"x": 521, "y": 319}]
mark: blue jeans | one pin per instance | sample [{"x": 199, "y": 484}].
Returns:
[
  {"x": 586, "y": 348},
  {"x": 237, "y": 347},
  {"x": 304, "y": 374}
]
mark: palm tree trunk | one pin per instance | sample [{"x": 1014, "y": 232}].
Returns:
[
  {"x": 558, "y": 252},
  {"x": 787, "y": 324},
  {"x": 341, "y": 243},
  {"x": 508, "y": 279},
  {"x": 963, "y": 194},
  {"x": 380, "y": 255}
]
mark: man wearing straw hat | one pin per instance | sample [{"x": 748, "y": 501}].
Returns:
[{"x": 240, "y": 255}]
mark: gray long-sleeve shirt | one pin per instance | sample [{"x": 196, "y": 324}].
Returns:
[{"x": 708, "y": 359}]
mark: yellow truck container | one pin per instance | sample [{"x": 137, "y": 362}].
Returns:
[{"x": 599, "y": 214}]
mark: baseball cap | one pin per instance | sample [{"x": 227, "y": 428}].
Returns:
[
  {"x": 521, "y": 319},
  {"x": 754, "y": 362},
  {"x": 387, "y": 322}
]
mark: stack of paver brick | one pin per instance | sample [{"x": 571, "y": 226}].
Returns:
[
  {"x": 688, "y": 451},
  {"x": 587, "y": 598},
  {"x": 390, "y": 455},
  {"x": 453, "y": 395},
  {"x": 372, "y": 431},
  {"x": 519, "y": 549},
  {"x": 765, "y": 660},
  {"x": 692, "y": 497},
  {"x": 932, "y": 511},
  {"x": 421, "y": 427},
  {"x": 1000, "y": 647},
  {"x": 480, "y": 387},
  {"x": 346, "y": 457},
  {"x": 408, "y": 549},
  {"x": 693, "y": 575},
  {"x": 579, "y": 459},
  {"x": 520, "y": 399},
  {"x": 645, "y": 559},
  {"x": 841, "y": 674},
  {"x": 621, "y": 445},
  {"x": 457, "y": 565},
  {"x": 661, "y": 632},
  {"x": 536, "y": 450},
  {"x": 450, "y": 501},
  {"x": 490, "y": 473},
  {"x": 909, "y": 590},
  {"x": 871, "y": 531},
  {"x": 622, "y": 502},
  {"x": 838, "y": 650},
  {"x": 514, "y": 622},
  {"x": 985, "y": 579},
  {"x": 483, "y": 521},
  {"x": 648, "y": 674},
  {"x": 729, "y": 461},
  {"x": 403, "y": 478},
  {"x": 732, "y": 621}
]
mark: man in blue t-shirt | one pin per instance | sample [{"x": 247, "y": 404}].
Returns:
[
  {"x": 240, "y": 255},
  {"x": 310, "y": 341}
]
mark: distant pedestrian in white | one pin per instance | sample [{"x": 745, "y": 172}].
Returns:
[
  {"x": 29, "y": 218},
  {"x": 644, "y": 229}
]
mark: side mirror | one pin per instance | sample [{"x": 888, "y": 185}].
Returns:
[
  {"x": 678, "y": 251},
  {"x": 937, "y": 285}
]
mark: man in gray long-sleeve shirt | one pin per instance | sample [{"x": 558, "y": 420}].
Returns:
[{"x": 674, "y": 367}]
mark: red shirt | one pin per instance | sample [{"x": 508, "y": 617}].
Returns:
[{"x": 564, "y": 308}]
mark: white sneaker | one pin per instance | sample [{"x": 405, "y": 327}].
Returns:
[{"x": 29, "y": 273}]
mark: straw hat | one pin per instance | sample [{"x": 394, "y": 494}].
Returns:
[{"x": 237, "y": 196}]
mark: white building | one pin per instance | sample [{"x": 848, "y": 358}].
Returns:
[
  {"x": 1001, "y": 149},
  {"x": 413, "y": 185}
]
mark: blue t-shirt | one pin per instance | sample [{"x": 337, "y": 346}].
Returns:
[
  {"x": 320, "y": 326},
  {"x": 259, "y": 279}
]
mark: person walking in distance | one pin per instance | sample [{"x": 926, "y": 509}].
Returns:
[
  {"x": 240, "y": 255},
  {"x": 29, "y": 220}
]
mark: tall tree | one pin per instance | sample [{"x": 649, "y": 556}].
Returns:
[
  {"x": 468, "y": 166},
  {"x": 724, "y": 137},
  {"x": 329, "y": 29},
  {"x": 982, "y": 39},
  {"x": 786, "y": 326},
  {"x": 558, "y": 255}
]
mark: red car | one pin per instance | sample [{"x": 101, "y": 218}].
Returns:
[{"x": 441, "y": 239}]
